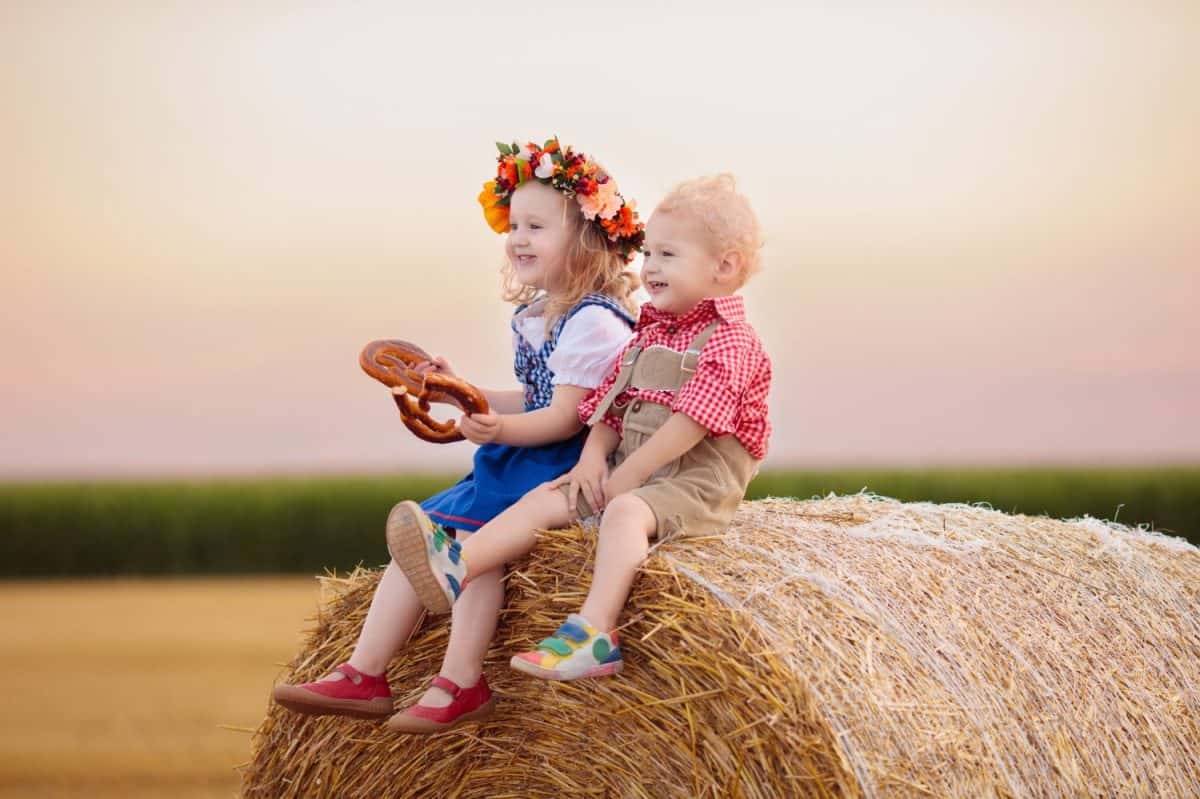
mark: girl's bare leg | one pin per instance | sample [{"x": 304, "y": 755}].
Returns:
[
  {"x": 511, "y": 534},
  {"x": 395, "y": 609},
  {"x": 472, "y": 626},
  {"x": 391, "y": 619},
  {"x": 625, "y": 531},
  {"x": 475, "y": 613}
]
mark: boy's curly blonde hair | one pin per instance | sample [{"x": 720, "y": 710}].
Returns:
[
  {"x": 592, "y": 266},
  {"x": 725, "y": 213}
]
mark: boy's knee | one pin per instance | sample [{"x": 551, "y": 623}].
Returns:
[{"x": 627, "y": 508}]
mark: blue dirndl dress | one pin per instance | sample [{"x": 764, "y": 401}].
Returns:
[{"x": 502, "y": 474}]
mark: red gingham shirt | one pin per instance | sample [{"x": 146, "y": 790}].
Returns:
[{"x": 728, "y": 392}]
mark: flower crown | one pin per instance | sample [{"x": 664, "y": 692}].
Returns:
[{"x": 575, "y": 175}]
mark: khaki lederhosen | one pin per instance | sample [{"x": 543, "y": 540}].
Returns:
[{"x": 698, "y": 492}]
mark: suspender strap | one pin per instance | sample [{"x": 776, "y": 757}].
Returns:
[
  {"x": 692, "y": 356},
  {"x": 623, "y": 378},
  {"x": 688, "y": 368}
]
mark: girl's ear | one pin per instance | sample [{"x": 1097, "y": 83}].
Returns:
[{"x": 729, "y": 268}]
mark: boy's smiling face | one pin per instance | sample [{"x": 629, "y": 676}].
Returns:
[{"x": 680, "y": 266}]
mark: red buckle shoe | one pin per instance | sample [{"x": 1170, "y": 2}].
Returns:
[
  {"x": 467, "y": 704},
  {"x": 364, "y": 696}
]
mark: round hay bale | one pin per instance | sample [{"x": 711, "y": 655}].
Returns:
[{"x": 846, "y": 646}]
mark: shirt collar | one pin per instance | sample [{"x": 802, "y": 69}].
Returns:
[{"x": 730, "y": 309}]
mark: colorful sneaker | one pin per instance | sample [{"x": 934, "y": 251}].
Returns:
[
  {"x": 364, "y": 696},
  {"x": 576, "y": 650},
  {"x": 428, "y": 555},
  {"x": 467, "y": 704}
]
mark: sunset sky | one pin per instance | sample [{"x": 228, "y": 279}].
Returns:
[{"x": 982, "y": 219}]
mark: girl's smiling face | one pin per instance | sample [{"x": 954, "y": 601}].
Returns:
[{"x": 540, "y": 230}]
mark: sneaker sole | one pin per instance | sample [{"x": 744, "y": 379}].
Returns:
[
  {"x": 407, "y": 527},
  {"x": 603, "y": 670},
  {"x": 419, "y": 726},
  {"x": 298, "y": 700}
]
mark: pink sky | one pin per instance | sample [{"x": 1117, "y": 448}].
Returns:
[{"x": 982, "y": 225}]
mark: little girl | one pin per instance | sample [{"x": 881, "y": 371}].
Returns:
[
  {"x": 570, "y": 238},
  {"x": 682, "y": 424}
]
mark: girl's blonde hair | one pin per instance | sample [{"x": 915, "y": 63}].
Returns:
[
  {"x": 725, "y": 213},
  {"x": 591, "y": 267}
]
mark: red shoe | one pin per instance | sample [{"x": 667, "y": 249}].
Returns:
[
  {"x": 364, "y": 696},
  {"x": 468, "y": 704}
]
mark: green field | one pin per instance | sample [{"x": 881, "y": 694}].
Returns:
[{"x": 307, "y": 525}]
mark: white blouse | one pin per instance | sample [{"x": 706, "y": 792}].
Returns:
[{"x": 587, "y": 347}]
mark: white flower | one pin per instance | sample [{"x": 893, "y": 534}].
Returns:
[
  {"x": 525, "y": 153},
  {"x": 545, "y": 167}
]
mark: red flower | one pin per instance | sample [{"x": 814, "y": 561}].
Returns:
[{"x": 508, "y": 171}]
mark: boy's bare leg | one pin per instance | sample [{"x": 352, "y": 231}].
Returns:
[
  {"x": 511, "y": 534},
  {"x": 625, "y": 531},
  {"x": 390, "y": 620}
]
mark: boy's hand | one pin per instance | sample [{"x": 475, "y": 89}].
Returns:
[
  {"x": 481, "y": 428},
  {"x": 587, "y": 476},
  {"x": 621, "y": 480},
  {"x": 438, "y": 364}
]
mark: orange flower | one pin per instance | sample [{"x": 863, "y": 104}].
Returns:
[
  {"x": 495, "y": 214},
  {"x": 624, "y": 223}
]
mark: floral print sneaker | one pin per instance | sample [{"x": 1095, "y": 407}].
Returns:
[
  {"x": 575, "y": 651},
  {"x": 428, "y": 555}
]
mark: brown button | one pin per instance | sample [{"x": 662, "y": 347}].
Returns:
[
  {"x": 672, "y": 329},
  {"x": 636, "y": 406}
]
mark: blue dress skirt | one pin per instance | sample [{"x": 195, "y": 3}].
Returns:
[{"x": 502, "y": 475}]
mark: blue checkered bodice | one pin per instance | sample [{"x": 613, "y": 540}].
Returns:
[{"x": 530, "y": 364}]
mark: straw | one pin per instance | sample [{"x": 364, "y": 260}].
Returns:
[{"x": 842, "y": 646}]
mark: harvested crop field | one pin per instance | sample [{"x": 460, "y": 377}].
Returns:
[{"x": 120, "y": 688}]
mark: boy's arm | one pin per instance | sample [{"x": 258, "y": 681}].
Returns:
[
  {"x": 679, "y": 434},
  {"x": 601, "y": 441}
]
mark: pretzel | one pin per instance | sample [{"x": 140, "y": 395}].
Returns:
[{"x": 391, "y": 362}]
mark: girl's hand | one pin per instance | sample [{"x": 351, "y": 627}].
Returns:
[
  {"x": 438, "y": 364},
  {"x": 481, "y": 428},
  {"x": 588, "y": 476}
]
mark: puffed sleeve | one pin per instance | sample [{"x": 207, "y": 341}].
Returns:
[{"x": 588, "y": 347}]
